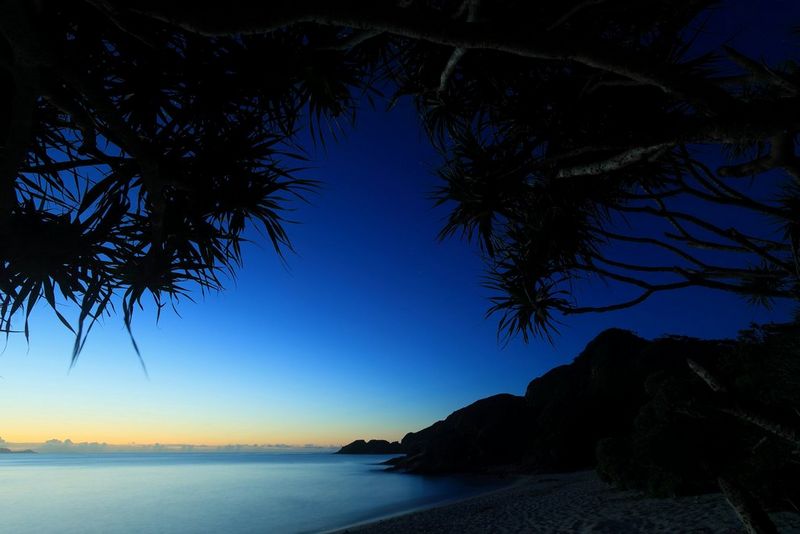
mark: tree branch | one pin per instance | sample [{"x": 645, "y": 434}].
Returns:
[
  {"x": 709, "y": 271},
  {"x": 458, "y": 53},
  {"x": 723, "y": 190},
  {"x": 781, "y": 155},
  {"x": 710, "y": 380},
  {"x": 654, "y": 242},
  {"x": 241, "y": 17},
  {"x": 731, "y": 234},
  {"x": 750, "y": 513},
  {"x": 355, "y": 39},
  {"x": 786, "y": 432},
  {"x": 718, "y": 197},
  {"x": 120, "y": 19},
  {"x": 577, "y": 8},
  {"x": 615, "y": 163},
  {"x": 761, "y": 71},
  {"x": 630, "y": 303}
]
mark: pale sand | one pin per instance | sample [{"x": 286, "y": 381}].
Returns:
[{"x": 575, "y": 502}]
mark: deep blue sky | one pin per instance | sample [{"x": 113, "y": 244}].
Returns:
[{"x": 373, "y": 329}]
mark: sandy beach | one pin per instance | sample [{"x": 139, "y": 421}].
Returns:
[{"x": 575, "y": 502}]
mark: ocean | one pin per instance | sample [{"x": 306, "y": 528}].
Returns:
[{"x": 210, "y": 492}]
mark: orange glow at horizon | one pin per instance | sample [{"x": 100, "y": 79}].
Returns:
[
  {"x": 142, "y": 425},
  {"x": 185, "y": 434}
]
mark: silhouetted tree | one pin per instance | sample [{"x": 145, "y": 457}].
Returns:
[
  {"x": 566, "y": 169},
  {"x": 560, "y": 121},
  {"x": 139, "y": 138},
  {"x": 134, "y": 154}
]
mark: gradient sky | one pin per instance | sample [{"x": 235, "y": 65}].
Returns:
[{"x": 371, "y": 330}]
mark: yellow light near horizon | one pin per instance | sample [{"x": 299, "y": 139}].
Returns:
[
  {"x": 121, "y": 432},
  {"x": 169, "y": 411}
]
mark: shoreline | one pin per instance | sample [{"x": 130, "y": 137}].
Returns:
[
  {"x": 566, "y": 502},
  {"x": 514, "y": 482}
]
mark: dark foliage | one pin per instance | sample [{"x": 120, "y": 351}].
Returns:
[
  {"x": 550, "y": 166},
  {"x": 140, "y": 139},
  {"x": 684, "y": 437},
  {"x": 136, "y": 155}
]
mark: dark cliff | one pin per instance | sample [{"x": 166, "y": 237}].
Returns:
[
  {"x": 636, "y": 411},
  {"x": 557, "y": 425}
]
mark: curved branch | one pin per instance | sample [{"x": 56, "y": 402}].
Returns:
[
  {"x": 710, "y": 380},
  {"x": 620, "y": 161},
  {"x": 355, "y": 39},
  {"x": 577, "y": 8},
  {"x": 630, "y": 303},
  {"x": 731, "y": 234},
  {"x": 747, "y": 508},
  {"x": 720, "y": 188},
  {"x": 255, "y": 18},
  {"x": 654, "y": 242},
  {"x": 471, "y": 7},
  {"x": 781, "y": 154},
  {"x": 787, "y": 432},
  {"x": 718, "y": 197},
  {"x": 710, "y": 271},
  {"x": 761, "y": 72}
]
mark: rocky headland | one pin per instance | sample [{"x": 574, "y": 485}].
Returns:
[{"x": 638, "y": 412}]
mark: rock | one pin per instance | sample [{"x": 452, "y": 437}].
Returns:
[
  {"x": 598, "y": 395},
  {"x": 634, "y": 410},
  {"x": 373, "y": 446},
  {"x": 564, "y": 414},
  {"x": 486, "y": 434}
]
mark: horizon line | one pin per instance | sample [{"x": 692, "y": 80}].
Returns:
[{"x": 68, "y": 444}]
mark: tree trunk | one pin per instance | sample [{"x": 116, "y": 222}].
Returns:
[{"x": 753, "y": 517}]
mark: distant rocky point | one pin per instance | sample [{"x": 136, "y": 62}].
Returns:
[
  {"x": 4, "y": 450},
  {"x": 373, "y": 446}
]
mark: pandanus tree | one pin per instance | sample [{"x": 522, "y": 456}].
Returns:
[
  {"x": 140, "y": 138},
  {"x": 559, "y": 168},
  {"x": 580, "y": 139},
  {"x": 134, "y": 156}
]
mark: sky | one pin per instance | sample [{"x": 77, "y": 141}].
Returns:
[{"x": 374, "y": 328}]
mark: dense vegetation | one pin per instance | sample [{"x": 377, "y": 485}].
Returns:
[{"x": 686, "y": 436}]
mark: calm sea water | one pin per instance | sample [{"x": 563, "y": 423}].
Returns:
[{"x": 197, "y": 492}]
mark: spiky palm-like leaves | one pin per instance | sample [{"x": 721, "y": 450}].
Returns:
[
  {"x": 554, "y": 167},
  {"x": 147, "y": 154},
  {"x": 563, "y": 126}
]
